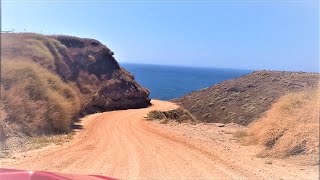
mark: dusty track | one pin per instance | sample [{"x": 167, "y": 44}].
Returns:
[{"x": 121, "y": 144}]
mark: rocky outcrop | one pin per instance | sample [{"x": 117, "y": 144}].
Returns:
[
  {"x": 103, "y": 83},
  {"x": 121, "y": 93},
  {"x": 244, "y": 99}
]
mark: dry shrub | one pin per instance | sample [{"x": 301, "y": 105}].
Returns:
[
  {"x": 240, "y": 134},
  {"x": 290, "y": 127},
  {"x": 36, "y": 101},
  {"x": 179, "y": 114},
  {"x": 155, "y": 114}
]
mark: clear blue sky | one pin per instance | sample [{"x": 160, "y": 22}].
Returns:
[{"x": 278, "y": 35}]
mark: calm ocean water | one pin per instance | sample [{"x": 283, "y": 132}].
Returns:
[{"x": 168, "y": 82}]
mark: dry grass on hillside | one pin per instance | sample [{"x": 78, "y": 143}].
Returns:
[
  {"x": 34, "y": 99},
  {"x": 290, "y": 127},
  {"x": 32, "y": 47},
  {"x": 242, "y": 100}
]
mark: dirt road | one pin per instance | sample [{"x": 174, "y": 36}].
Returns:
[{"x": 122, "y": 144}]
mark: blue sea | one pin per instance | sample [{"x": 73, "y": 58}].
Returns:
[{"x": 169, "y": 82}]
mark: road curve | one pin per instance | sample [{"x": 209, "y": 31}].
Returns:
[{"x": 121, "y": 144}]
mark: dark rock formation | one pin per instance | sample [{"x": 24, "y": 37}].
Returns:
[
  {"x": 244, "y": 99},
  {"x": 104, "y": 85}
]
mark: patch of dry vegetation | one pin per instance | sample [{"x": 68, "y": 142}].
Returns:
[
  {"x": 41, "y": 141},
  {"x": 35, "y": 101},
  {"x": 240, "y": 134},
  {"x": 3, "y": 116},
  {"x": 179, "y": 115},
  {"x": 33, "y": 48},
  {"x": 290, "y": 127}
]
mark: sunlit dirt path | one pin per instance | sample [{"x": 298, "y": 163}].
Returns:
[{"x": 121, "y": 144}]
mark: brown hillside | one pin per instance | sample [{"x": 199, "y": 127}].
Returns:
[
  {"x": 244, "y": 99},
  {"x": 48, "y": 81}
]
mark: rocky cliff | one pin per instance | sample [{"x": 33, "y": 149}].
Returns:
[
  {"x": 244, "y": 99},
  {"x": 48, "y": 81},
  {"x": 103, "y": 83}
]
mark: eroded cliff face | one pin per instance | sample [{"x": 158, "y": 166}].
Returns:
[{"x": 104, "y": 85}]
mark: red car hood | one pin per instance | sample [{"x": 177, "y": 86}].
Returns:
[{"x": 12, "y": 174}]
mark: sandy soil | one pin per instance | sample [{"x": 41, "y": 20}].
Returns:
[{"x": 122, "y": 144}]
